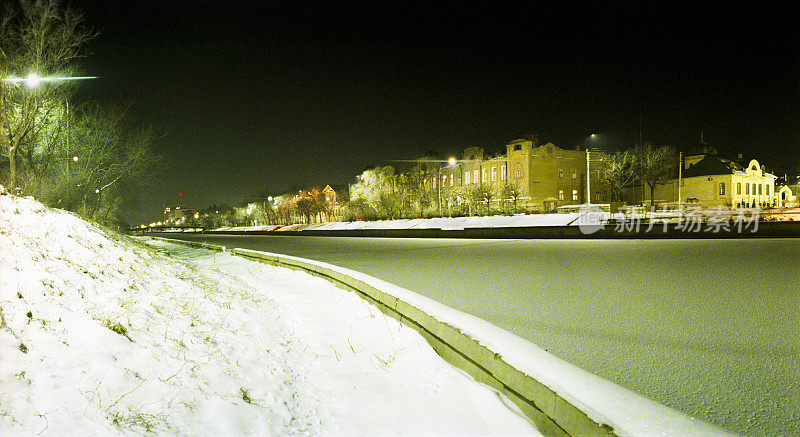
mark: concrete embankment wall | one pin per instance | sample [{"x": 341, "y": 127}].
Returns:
[
  {"x": 657, "y": 231},
  {"x": 552, "y": 413}
]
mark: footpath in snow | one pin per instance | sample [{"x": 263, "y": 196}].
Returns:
[{"x": 102, "y": 335}]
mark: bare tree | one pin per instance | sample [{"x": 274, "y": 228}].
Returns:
[
  {"x": 654, "y": 165},
  {"x": 113, "y": 158},
  {"x": 44, "y": 38},
  {"x": 619, "y": 173}
]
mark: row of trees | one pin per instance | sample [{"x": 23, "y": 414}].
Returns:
[
  {"x": 383, "y": 192},
  {"x": 76, "y": 156},
  {"x": 643, "y": 165}
]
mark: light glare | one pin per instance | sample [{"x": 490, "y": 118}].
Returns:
[{"x": 33, "y": 80}]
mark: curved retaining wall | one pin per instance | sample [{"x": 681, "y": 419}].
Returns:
[
  {"x": 552, "y": 413},
  {"x": 672, "y": 231}
]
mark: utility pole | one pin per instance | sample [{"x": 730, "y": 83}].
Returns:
[
  {"x": 439, "y": 186},
  {"x": 680, "y": 179},
  {"x": 588, "y": 180}
]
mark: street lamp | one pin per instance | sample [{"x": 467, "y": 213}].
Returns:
[
  {"x": 588, "y": 172},
  {"x": 33, "y": 80}
]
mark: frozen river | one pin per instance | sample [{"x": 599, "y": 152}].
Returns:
[{"x": 709, "y": 327}]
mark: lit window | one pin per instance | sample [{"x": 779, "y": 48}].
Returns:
[
  {"x": 483, "y": 175},
  {"x": 494, "y": 174},
  {"x": 503, "y": 173},
  {"x": 451, "y": 179},
  {"x": 560, "y": 194},
  {"x": 434, "y": 182},
  {"x": 518, "y": 171},
  {"x": 561, "y": 173},
  {"x": 475, "y": 176},
  {"x": 574, "y": 175},
  {"x": 574, "y": 194},
  {"x": 466, "y": 178},
  {"x": 722, "y": 188}
]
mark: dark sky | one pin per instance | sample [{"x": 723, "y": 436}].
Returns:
[{"x": 257, "y": 98}]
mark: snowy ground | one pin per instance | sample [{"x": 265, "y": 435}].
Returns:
[{"x": 100, "y": 335}]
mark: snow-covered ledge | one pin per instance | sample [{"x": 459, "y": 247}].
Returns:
[{"x": 560, "y": 398}]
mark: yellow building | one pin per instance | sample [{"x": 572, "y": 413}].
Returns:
[
  {"x": 538, "y": 176},
  {"x": 709, "y": 181}
]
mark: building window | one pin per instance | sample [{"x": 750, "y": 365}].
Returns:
[
  {"x": 759, "y": 190},
  {"x": 517, "y": 147},
  {"x": 574, "y": 194},
  {"x": 475, "y": 176},
  {"x": 722, "y": 188},
  {"x": 574, "y": 174},
  {"x": 739, "y": 188},
  {"x": 747, "y": 189},
  {"x": 560, "y": 194},
  {"x": 503, "y": 173},
  {"x": 434, "y": 182},
  {"x": 466, "y": 178},
  {"x": 494, "y": 174},
  {"x": 444, "y": 180},
  {"x": 560, "y": 173},
  {"x": 766, "y": 187},
  {"x": 451, "y": 179},
  {"x": 483, "y": 175},
  {"x": 754, "y": 189},
  {"x": 518, "y": 171}
]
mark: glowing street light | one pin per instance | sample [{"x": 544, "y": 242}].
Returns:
[
  {"x": 33, "y": 79},
  {"x": 452, "y": 161}
]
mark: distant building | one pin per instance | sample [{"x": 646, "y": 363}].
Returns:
[
  {"x": 708, "y": 180},
  {"x": 335, "y": 202},
  {"x": 538, "y": 177},
  {"x": 787, "y": 196},
  {"x": 175, "y": 214}
]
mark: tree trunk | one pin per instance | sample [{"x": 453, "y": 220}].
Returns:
[
  {"x": 652, "y": 194},
  {"x": 12, "y": 163}
]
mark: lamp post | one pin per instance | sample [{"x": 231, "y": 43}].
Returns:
[
  {"x": 439, "y": 187},
  {"x": 588, "y": 172}
]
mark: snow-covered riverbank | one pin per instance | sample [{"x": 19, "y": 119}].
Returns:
[{"x": 102, "y": 335}]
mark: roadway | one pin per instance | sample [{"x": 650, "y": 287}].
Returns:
[{"x": 709, "y": 327}]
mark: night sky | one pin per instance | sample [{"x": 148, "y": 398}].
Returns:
[{"x": 258, "y": 98}]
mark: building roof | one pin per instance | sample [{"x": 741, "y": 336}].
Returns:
[{"x": 712, "y": 165}]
